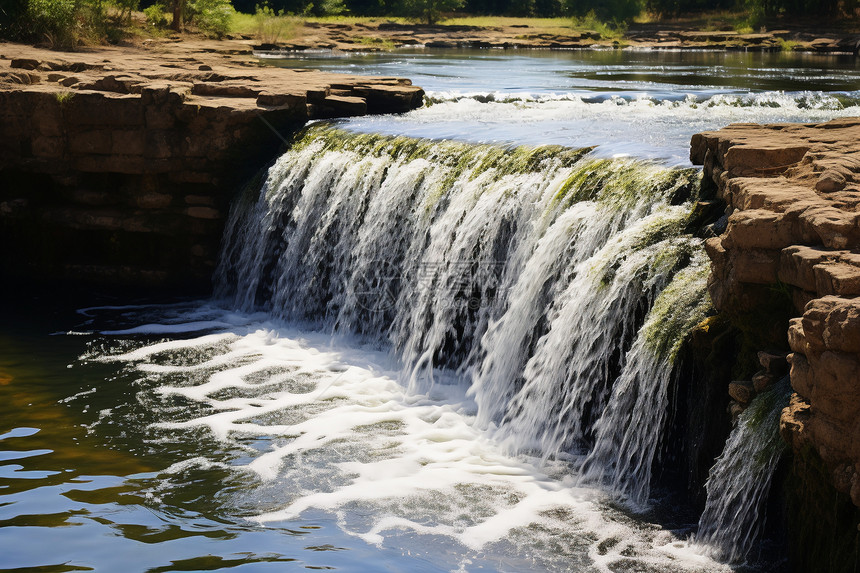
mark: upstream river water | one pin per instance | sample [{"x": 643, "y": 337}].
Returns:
[
  {"x": 292, "y": 423},
  {"x": 640, "y": 103}
]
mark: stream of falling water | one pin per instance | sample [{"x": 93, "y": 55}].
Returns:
[
  {"x": 740, "y": 480},
  {"x": 443, "y": 340}
]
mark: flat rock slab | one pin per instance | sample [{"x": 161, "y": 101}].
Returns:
[{"x": 211, "y": 68}]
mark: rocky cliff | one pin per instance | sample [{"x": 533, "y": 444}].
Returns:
[
  {"x": 786, "y": 271},
  {"x": 118, "y": 165}
]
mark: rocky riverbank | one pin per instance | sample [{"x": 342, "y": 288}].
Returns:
[
  {"x": 119, "y": 163},
  {"x": 786, "y": 271}
]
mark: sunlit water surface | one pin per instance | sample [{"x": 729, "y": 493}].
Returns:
[
  {"x": 629, "y": 102},
  {"x": 191, "y": 437},
  {"x": 203, "y": 439}
]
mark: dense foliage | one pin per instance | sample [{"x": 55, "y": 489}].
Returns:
[
  {"x": 768, "y": 8},
  {"x": 211, "y": 16},
  {"x": 67, "y": 23},
  {"x": 429, "y": 11},
  {"x": 606, "y": 9}
]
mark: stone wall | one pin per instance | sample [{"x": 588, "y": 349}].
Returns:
[
  {"x": 786, "y": 269},
  {"x": 118, "y": 172}
]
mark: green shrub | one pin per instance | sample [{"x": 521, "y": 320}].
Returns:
[
  {"x": 614, "y": 30},
  {"x": 55, "y": 21},
  {"x": 606, "y": 10},
  {"x": 64, "y": 96},
  {"x": 125, "y": 8},
  {"x": 429, "y": 11},
  {"x": 330, "y": 8},
  {"x": 270, "y": 25},
  {"x": 65, "y": 24},
  {"x": 155, "y": 16},
  {"x": 212, "y": 16}
]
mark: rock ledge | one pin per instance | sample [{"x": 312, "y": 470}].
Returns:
[
  {"x": 119, "y": 164},
  {"x": 792, "y": 194}
]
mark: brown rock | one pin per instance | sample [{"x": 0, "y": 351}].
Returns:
[
  {"x": 24, "y": 63},
  {"x": 830, "y": 180},
  {"x": 792, "y": 421},
  {"x": 797, "y": 264},
  {"x": 750, "y": 158},
  {"x": 774, "y": 364},
  {"x": 199, "y": 200},
  {"x": 127, "y": 142},
  {"x": 277, "y": 100},
  {"x": 759, "y": 229},
  {"x": 152, "y": 200},
  {"x": 143, "y": 123},
  {"x": 837, "y": 278},
  {"x": 735, "y": 409},
  {"x": 742, "y": 391},
  {"x": 224, "y": 90},
  {"x": 91, "y": 141},
  {"x": 754, "y": 266},
  {"x": 49, "y": 147},
  {"x": 762, "y": 381},
  {"x": 796, "y": 338},
  {"x": 346, "y": 105},
  {"x": 803, "y": 203},
  {"x": 203, "y": 213}
]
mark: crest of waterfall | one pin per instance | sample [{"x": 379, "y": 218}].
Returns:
[
  {"x": 556, "y": 285},
  {"x": 739, "y": 482}
]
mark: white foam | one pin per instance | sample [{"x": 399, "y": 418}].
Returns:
[
  {"x": 643, "y": 125},
  {"x": 343, "y": 436},
  {"x": 195, "y": 326}
]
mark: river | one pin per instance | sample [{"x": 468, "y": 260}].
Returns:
[{"x": 440, "y": 341}]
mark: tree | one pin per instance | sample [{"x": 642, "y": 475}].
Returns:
[
  {"x": 178, "y": 10},
  {"x": 614, "y": 10},
  {"x": 430, "y": 11}
]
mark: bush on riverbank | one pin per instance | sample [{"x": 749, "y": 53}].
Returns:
[
  {"x": 753, "y": 12},
  {"x": 66, "y": 24},
  {"x": 756, "y": 10},
  {"x": 212, "y": 17},
  {"x": 429, "y": 11}
]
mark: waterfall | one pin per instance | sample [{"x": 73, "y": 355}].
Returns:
[
  {"x": 555, "y": 285},
  {"x": 739, "y": 482}
]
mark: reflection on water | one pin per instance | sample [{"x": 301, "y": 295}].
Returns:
[
  {"x": 540, "y": 71},
  {"x": 81, "y": 478}
]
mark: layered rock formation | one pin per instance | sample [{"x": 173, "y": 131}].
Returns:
[
  {"x": 119, "y": 165},
  {"x": 786, "y": 270}
]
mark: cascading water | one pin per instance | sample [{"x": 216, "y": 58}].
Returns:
[
  {"x": 740, "y": 480},
  {"x": 458, "y": 353},
  {"x": 445, "y": 339},
  {"x": 557, "y": 285}
]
